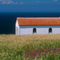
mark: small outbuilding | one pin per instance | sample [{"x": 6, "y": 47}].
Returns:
[{"x": 25, "y": 26}]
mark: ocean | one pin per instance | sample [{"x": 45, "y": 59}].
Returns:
[{"x": 7, "y": 20}]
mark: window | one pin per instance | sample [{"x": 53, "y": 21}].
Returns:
[
  {"x": 34, "y": 30},
  {"x": 50, "y": 30}
]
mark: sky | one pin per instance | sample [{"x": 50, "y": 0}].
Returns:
[{"x": 30, "y": 6}]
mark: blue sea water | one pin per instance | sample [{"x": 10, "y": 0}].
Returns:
[{"x": 7, "y": 20}]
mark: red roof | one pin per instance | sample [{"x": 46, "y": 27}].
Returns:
[{"x": 38, "y": 21}]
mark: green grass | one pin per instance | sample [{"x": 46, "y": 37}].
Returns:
[{"x": 12, "y": 46}]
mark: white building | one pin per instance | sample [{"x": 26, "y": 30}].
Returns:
[{"x": 25, "y": 26}]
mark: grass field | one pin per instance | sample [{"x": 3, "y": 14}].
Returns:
[{"x": 12, "y": 46}]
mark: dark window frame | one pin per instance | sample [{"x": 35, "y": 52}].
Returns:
[
  {"x": 50, "y": 30},
  {"x": 34, "y": 30}
]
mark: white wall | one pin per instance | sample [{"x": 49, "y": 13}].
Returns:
[
  {"x": 39, "y": 29},
  {"x": 17, "y": 27}
]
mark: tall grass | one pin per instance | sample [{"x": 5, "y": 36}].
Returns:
[{"x": 12, "y": 46}]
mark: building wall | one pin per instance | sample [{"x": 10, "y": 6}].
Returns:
[
  {"x": 39, "y": 29},
  {"x": 17, "y": 28}
]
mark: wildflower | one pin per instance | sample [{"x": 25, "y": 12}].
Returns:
[
  {"x": 54, "y": 49},
  {"x": 59, "y": 48},
  {"x": 28, "y": 50},
  {"x": 53, "y": 53},
  {"x": 45, "y": 50},
  {"x": 35, "y": 54},
  {"x": 42, "y": 48},
  {"x": 37, "y": 51},
  {"x": 42, "y": 54}
]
